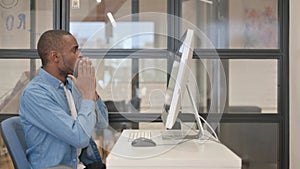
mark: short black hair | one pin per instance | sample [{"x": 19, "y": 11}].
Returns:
[{"x": 49, "y": 41}]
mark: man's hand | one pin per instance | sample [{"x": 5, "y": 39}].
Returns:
[{"x": 86, "y": 81}]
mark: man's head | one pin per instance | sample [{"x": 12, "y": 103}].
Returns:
[
  {"x": 58, "y": 50},
  {"x": 51, "y": 40}
]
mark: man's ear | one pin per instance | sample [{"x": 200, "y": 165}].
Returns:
[{"x": 54, "y": 56}]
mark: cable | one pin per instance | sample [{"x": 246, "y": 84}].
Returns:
[
  {"x": 209, "y": 126},
  {"x": 197, "y": 116},
  {"x": 215, "y": 137}
]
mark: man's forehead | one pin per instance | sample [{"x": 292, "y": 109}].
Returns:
[{"x": 70, "y": 40}]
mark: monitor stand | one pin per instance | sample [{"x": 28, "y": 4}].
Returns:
[{"x": 189, "y": 134}]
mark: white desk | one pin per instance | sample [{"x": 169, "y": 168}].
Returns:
[{"x": 190, "y": 154}]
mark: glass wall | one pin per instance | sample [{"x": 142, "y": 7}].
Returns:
[
  {"x": 255, "y": 143},
  {"x": 253, "y": 86},
  {"x": 238, "y": 70},
  {"x": 236, "y": 24},
  {"x": 115, "y": 75},
  {"x": 21, "y": 25},
  {"x": 113, "y": 24},
  {"x": 93, "y": 17},
  {"x": 17, "y": 73},
  {"x": 22, "y": 22}
]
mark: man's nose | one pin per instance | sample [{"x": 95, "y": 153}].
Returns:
[{"x": 79, "y": 54}]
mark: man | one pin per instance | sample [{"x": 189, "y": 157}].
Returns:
[{"x": 54, "y": 134}]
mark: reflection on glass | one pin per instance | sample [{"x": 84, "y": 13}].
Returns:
[
  {"x": 254, "y": 24},
  {"x": 93, "y": 11},
  {"x": 252, "y": 86},
  {"x": 90, "y": 28},
  {"x": 114, "y": 83},
  {"x": 89, "y": 22},
  {"x": 256, "y": 143},
  {"x": 110, "y": 24},
  {"x": 125, "y": 35},
  {"x": 18, "y": 30},
  {"x": 17, "y": 76},
  {"x": 114, "y": 78},
  {"x": 159, "y": 6},
  {"x": 155, "y": 11},
  {"x": 237, "y": 24},
  {"x": 152, "y": 84}
]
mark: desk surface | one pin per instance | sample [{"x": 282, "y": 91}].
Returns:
[{"x": 189, "y": 154}]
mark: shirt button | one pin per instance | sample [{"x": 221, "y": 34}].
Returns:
[{"x": 74, "y": 160}]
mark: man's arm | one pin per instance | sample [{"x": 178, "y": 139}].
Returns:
[
  {"x": 102, "y": 114},
  {"x": 40, "y": 108}
]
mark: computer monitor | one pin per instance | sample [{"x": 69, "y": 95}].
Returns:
[{"x": 178, "y": 83}]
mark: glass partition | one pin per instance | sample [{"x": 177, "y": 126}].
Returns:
[
  {"x": 155, "y": 12},
  {"x": 114, "y": 77},
  {"x": 111, "y": 24},
  {"x": 256, "y": 143},
  {"x": 235, "y": 24},
  {"x": 152, "y": 84},
  {"x": 16, "y": 75},
  {"x": 240, "y": 86},
  {"x": 252, "y": 86},
  {"x": 22, "y": 22},
  {"x": 89, "y": 21}
]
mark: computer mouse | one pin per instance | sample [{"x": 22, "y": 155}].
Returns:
[{"x": 143, "y": 142}]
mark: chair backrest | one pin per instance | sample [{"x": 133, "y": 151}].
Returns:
[{"x": 14, "y": 138}]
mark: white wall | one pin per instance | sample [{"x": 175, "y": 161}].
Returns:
[{"x": 294, "y": 85}]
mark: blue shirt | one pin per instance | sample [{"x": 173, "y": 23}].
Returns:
[{"x": 52, "y": 135}]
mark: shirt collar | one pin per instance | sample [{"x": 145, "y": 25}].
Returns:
[
  {"x": 69, "y": 83},
  {"x": 53, "y": 81}
]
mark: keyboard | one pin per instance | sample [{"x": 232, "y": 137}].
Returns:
[
  {"x": 178, "y": 134},
  {"x": 165, "y": 135},
  {"x": 137, "y": 134}
]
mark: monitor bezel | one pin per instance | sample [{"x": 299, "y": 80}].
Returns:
[{"x": 181, "y": 79}]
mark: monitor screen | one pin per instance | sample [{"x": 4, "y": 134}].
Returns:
[{"x": 178, "y": 80}]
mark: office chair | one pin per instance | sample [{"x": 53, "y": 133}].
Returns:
[{"x": 14, "y": 138}]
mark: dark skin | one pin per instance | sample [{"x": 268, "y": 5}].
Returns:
[{"x": 61, "y": 65}]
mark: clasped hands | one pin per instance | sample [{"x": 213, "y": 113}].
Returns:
[{"x": 86, "y": 81}]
